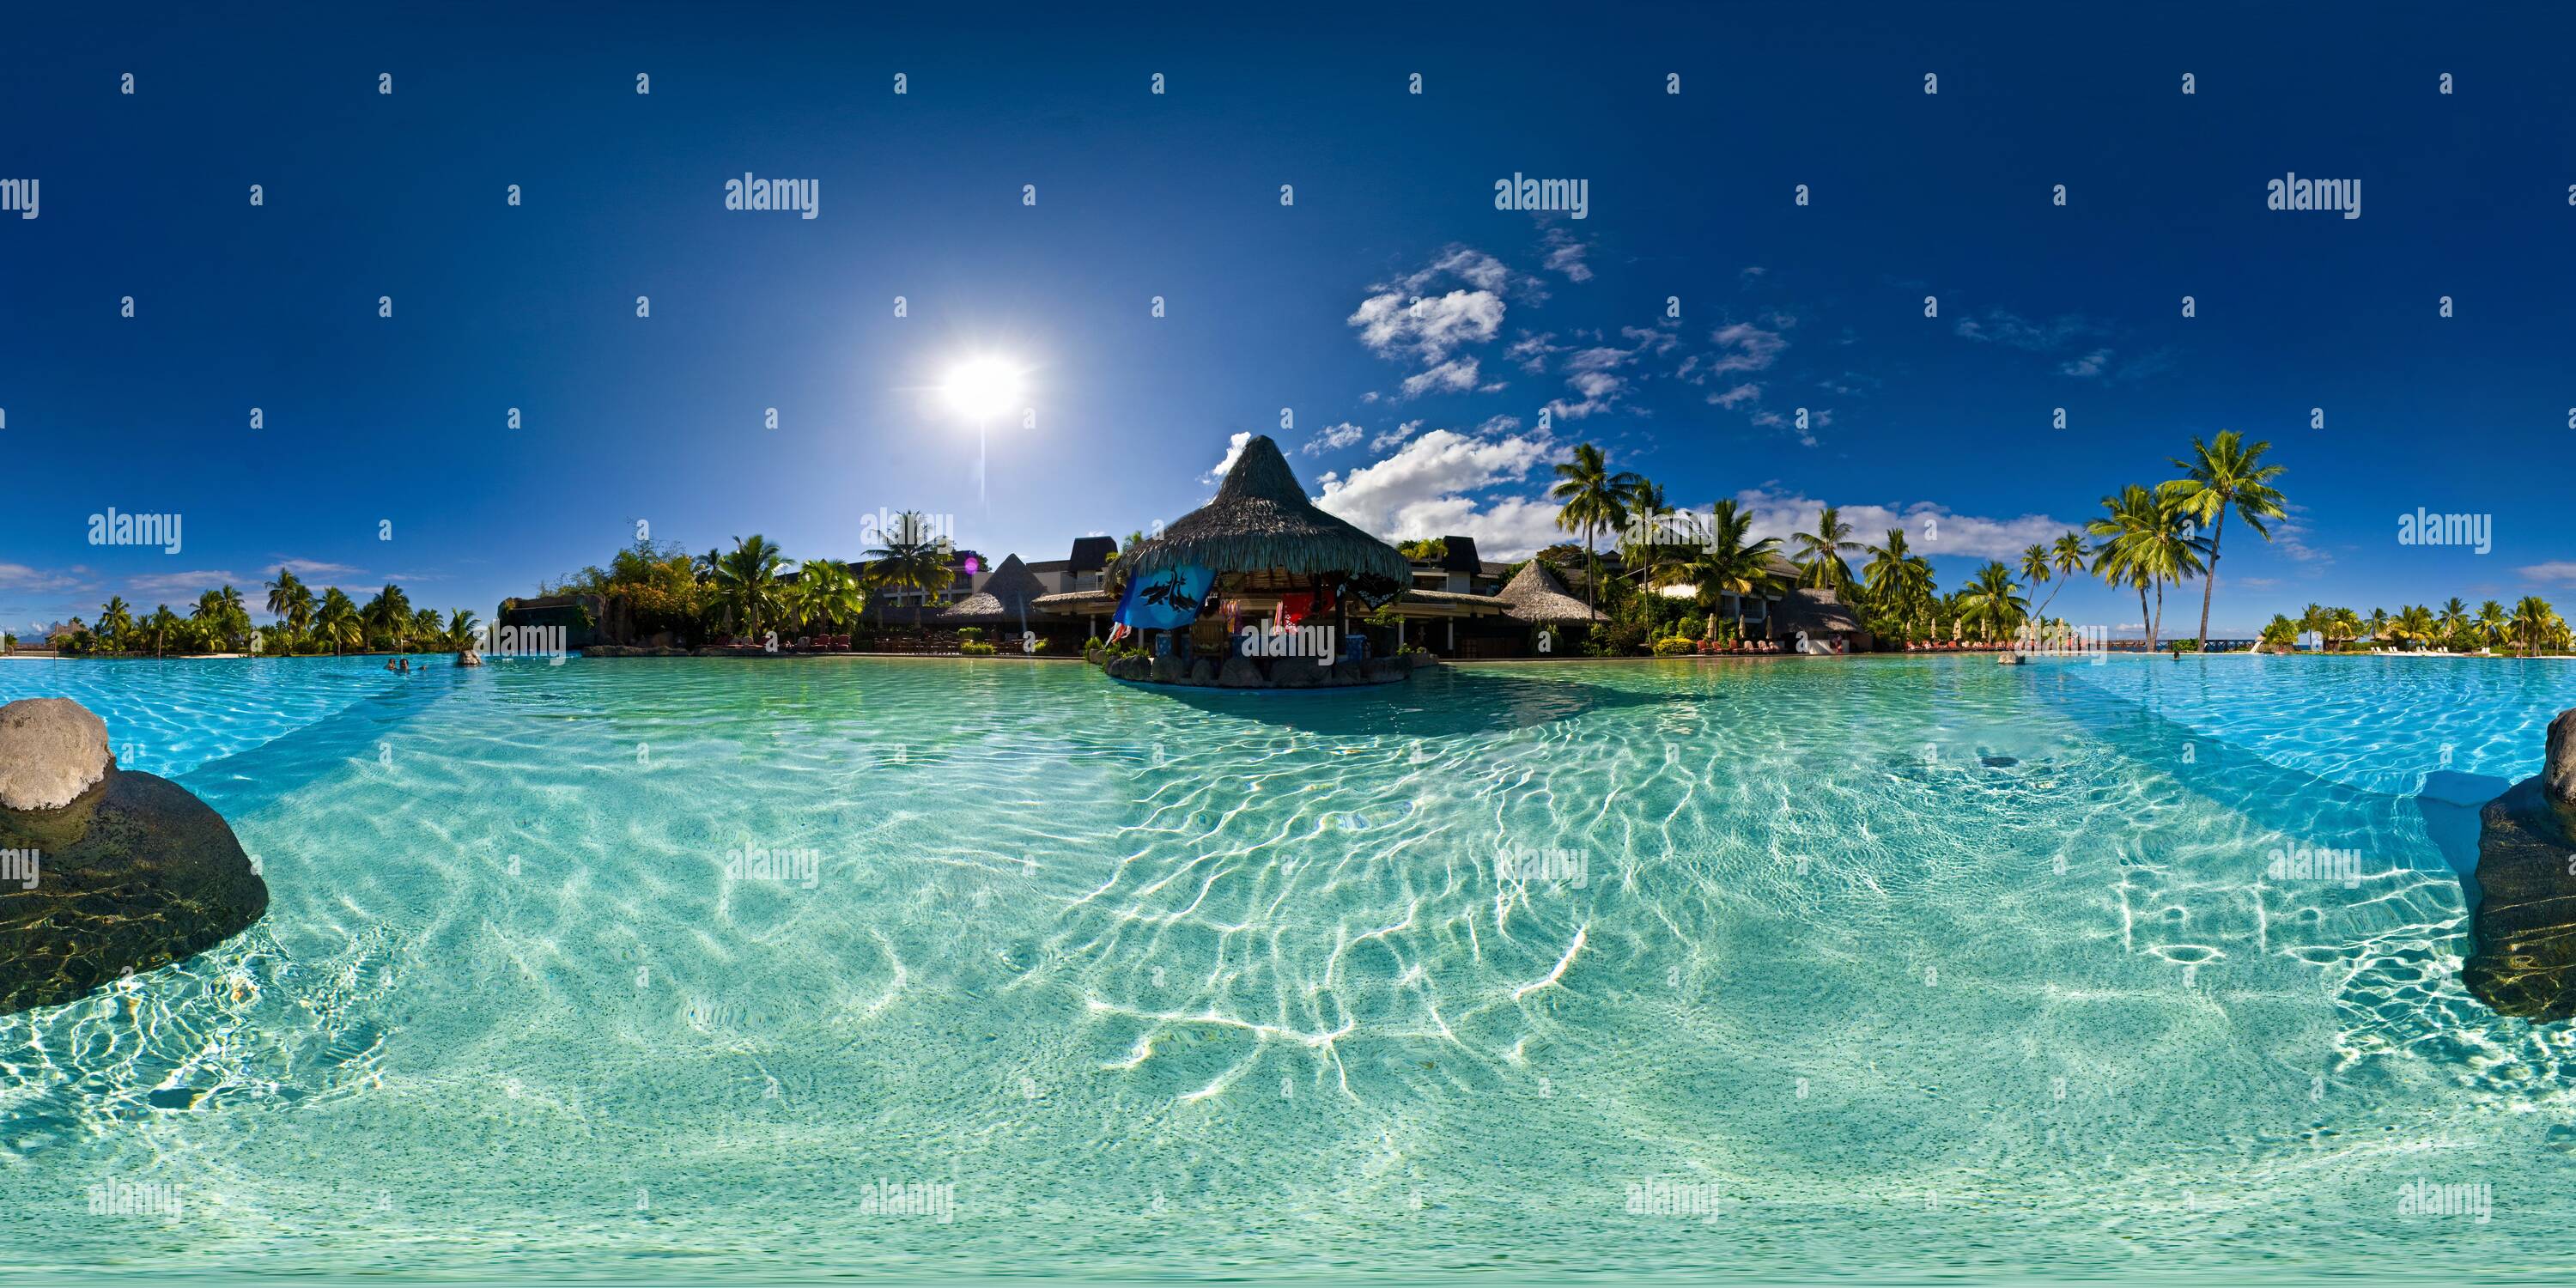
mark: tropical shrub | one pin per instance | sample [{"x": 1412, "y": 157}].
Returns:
[
  {"x": 972, "y": 649},
  {"x": 1675, "y": 645}
]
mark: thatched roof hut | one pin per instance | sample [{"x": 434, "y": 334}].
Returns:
[
  {"x": 1537, "y": 594},
  {"x": 1009, "y": 595},
  {"x": 1261, "y": 522},
  {"x": 1816, "y": 611}
]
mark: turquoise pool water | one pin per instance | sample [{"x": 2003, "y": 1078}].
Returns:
[{"x": 1888, "y": 965}]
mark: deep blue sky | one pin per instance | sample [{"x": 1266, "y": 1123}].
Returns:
[{"x": 1177, "y": 195}]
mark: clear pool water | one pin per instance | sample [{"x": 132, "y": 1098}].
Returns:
[{"x": 1887, "y": 965}]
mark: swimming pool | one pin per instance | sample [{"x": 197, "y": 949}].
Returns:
[{"x": 1830, "y": 966}]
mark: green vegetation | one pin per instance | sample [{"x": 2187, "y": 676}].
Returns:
[
  {"x": 2531, "y": 626},
  {"x": 219, "y": 622},
  {"x": 2149, "y": 537}
]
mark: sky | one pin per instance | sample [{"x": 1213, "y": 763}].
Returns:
[{"x": 1286, "y": 240}]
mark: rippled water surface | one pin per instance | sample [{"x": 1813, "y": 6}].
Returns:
[{"x": 1905, "y": 963}]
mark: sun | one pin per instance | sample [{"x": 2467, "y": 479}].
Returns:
[{"x": 982, "y": 388}]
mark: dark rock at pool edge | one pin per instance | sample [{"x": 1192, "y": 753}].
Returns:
[
  {"x": 132, "y": 875},
  {"x": 2523, "y": 962}
]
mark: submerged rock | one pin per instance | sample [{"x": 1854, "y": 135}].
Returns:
[
  {"x": 132, "y": 875},
  {"x": 2524, "y": 928},
  {"x": 469, "y": 657},
  {"x": 1240, "y": 673},
  {"x": 2008, "y": 658},
  {"x": 51, "y": 750}
]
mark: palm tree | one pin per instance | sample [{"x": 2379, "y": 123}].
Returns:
[
  {"x": 2342, "y": 626},
  {"x": 826, "y": 593},
  {"x": 748, "y": 584},
  {"x": 1645, "y": 504},
  {"x": 2066, "y": 558},
  {"x": 2147, "y": 548},
  {"x": 290, "y": 601},
  {"x": 212, "y": 618},
  {"x": 1899, "y": 581},
  {"x": 2378, "y": 623},
  {"x": 1590, "y": 498},
  {"x": 460, "y": 629},
  {"x": 160, "y": 627},
  {"x": 2490, "y": 622},
  {"x": 339, "y": 620},
  {"x": 2531, "y": 622},
  {"x": 2131, "y": 515},
  {"x": 114, "y": 620},
  {"x": 911, "y": 559},
  {"x": 390, "y": 612},
  {"x": 2415, "y": 623},
  {"x": 2454, "y": 622},
  {"x": 2280, "y": 632},
  {"x": 236, "y": 616},
  {"x": 1990, "y": 602},
  {"x": 1820, "y": 553},
  {"x": 1731, "y": 565},
  {"x": 2034, "y": 565},
  {"x": 2225, "y": 474}
]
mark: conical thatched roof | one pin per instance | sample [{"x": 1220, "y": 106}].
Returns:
[
  {"x": 1261, "y": 521},
  {"x": 1006, "y": 596},
  {"x": 1536, "y": 594}
]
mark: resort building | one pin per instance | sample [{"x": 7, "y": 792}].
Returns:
[{"x": 1087, "y": 568}]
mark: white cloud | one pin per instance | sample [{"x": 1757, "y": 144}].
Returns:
[
  {"x": 1737, "y": 397},
  {"x": 1565, "y": 255},
  {"x": 2555, "y": 572},
  {"x": 2001, "y": 327},
  {"x": 1430, "y": 326},
  {"x": 1233, "y": 453},
  {"x": 1334, "y": 438},
  {"x": 1531, "y": 351},
  {"x": 1397, "y": 435},
  {"x": 1654, "y": 340},
  {"x": 177, "y": 585},
  {"x": 1782, "y": 514},
  {"x": 1469, "y": 265},
  {"x": 2089, "y": 365},
  {"x": 2290, "y": 536},
  {"x": 316, "y": 567},
  {"x": 22, "y": 577},
  {"x": 1457, "y": 375},
  {"x": 1426, "y": 490},
  {"x": 1599, "y": 389},
  {"x": 1748, "y": 348}
]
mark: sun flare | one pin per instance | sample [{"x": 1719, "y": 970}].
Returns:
[{"x": 982, "y": 387}]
